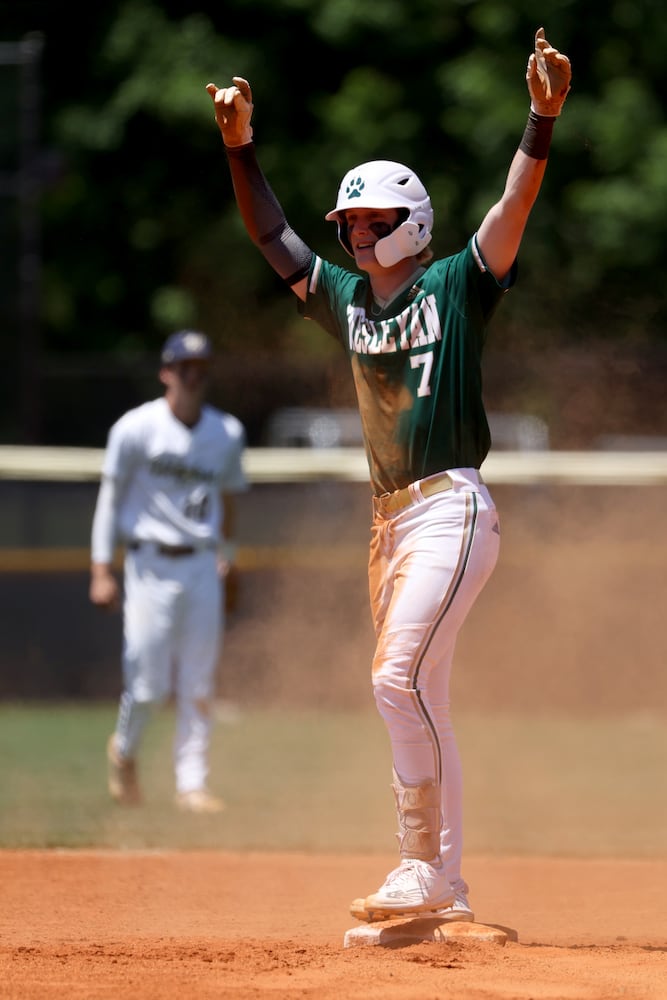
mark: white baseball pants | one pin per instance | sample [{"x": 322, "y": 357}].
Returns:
[
  {"x": 172, "y": 635},
  {"x": 428, "y": 563}
]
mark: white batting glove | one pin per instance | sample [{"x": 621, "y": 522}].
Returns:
[
  {"x": 548, "y": 77},
  {"x": 233, "y": 111}
]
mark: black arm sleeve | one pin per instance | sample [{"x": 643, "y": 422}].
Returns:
[{"x": 264, "y": 218}]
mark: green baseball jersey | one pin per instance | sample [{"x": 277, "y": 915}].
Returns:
[{"x": 416, "y": 365}]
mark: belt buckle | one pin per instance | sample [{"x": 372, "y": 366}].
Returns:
[
  {"x": 380, "y": 502},
  {"x": 390, "y": 503},
  {"x": 176, "y": 551}
]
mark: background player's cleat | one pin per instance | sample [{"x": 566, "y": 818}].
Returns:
[
  {"x": 414, "y": 887},
  {"x": 122, "y": 776},
  {"x": 199, "y": 800}
]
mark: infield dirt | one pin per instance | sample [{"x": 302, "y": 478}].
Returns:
[{"x": 161, "y": 926}]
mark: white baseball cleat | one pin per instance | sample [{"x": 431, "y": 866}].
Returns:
[
  {"x": 459, "y": 910},
  {"x": 199, "y": 800},
  {"x": 122, "y": 776},
  {"x": 415, "y": 887}
]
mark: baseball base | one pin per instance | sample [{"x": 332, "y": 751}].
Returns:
[
  {"x": 393, "y": 934},
  {"x": 393, "y": 930}
]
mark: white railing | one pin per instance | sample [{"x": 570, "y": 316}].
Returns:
[{"x": 276, "y": 465}]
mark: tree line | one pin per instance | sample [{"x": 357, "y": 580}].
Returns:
[{"x": 139, "y": 230}]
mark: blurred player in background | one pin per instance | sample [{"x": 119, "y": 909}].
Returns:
[
  {"x": 171, "y": 469},
  {"x": 414, "y": 330}
]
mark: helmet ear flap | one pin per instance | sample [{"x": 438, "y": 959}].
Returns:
[
  {"x": 343, "y": 229},
  {"x": 407, "y": 240}
]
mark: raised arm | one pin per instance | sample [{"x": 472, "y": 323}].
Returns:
[
  {"x": 260, "y": 210},
  {"x": 499, "y": 236}
]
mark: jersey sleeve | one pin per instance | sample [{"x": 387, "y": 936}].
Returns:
[
  {"x": 103, "y": 537},
  {"x": 117, "y": 468},
  {"x": 329, "y": 291},
  {"x": 490, "y": 289},
  {"x": 121, "y": 449},
  {"x": 234, "y": 479}
]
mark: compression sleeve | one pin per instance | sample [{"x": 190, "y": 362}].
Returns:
[
  {"x": 264, "y": 218},
  {"x": 104, "y": 523}
]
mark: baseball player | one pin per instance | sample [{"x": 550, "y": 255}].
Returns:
[
  {"x": 171, "y": 469},
  {"x": 414, "y": 329}
]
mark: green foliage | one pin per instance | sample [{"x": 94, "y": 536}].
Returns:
[
  {"x": 140, "y": 229},
  {"x": 156, "y": 67}
]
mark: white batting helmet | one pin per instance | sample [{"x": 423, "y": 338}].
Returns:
[{"x": 385, "y": 184}]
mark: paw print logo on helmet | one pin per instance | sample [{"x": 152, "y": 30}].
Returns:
[
  {"x": 354, "y": 188},
  {"x": 386, "y": 184}
]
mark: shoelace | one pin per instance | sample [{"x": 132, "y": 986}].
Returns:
[
  {"x": 461, "y": 899},
  {"x": 405, "y": 870}
]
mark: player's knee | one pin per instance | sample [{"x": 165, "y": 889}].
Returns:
[
  {"x": 204, "y": 706},
  {"x": 150, "y": 696},
  {"x": 392, "y": 696},
  {"x": 392, "y": 669}
]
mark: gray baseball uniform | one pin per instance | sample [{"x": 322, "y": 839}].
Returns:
[{"x": 161, "y": 496}]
